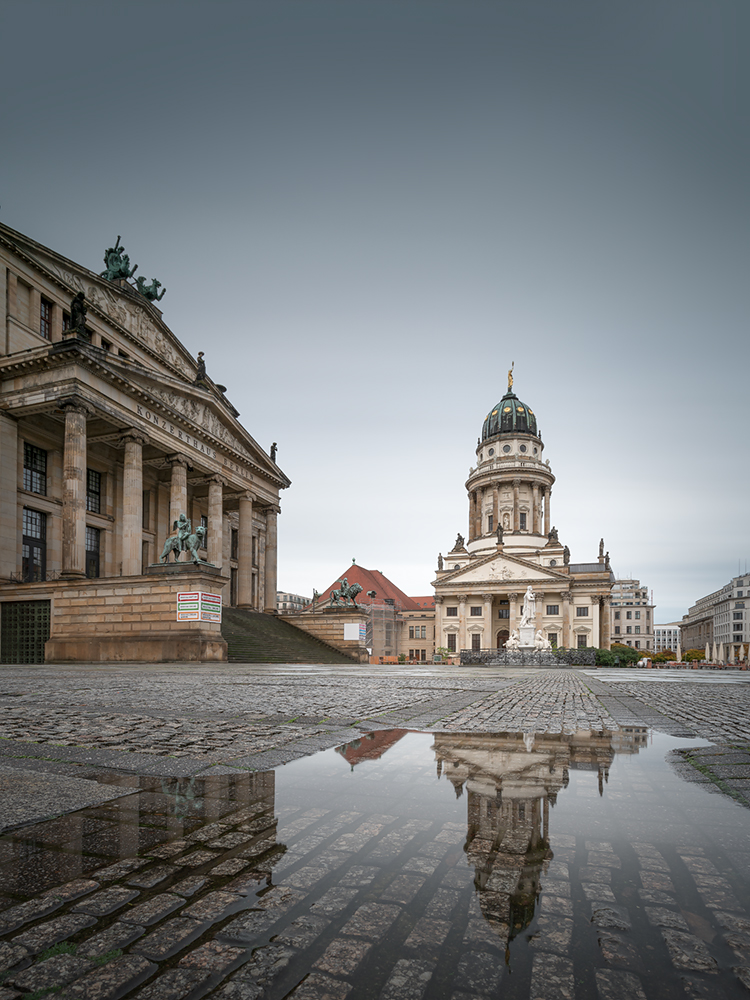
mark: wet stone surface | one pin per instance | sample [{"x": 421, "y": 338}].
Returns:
[{"x": 573, "y": 861}]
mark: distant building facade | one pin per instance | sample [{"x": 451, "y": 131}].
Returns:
[
  {"x": 668, "y": 637},
  {"x": 511, "y": 545},
  {"x": 290, "y": 602},
  {"x": 720, "y": 618},
  {"x": 632, "y": 615}
]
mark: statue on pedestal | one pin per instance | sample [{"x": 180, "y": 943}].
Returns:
[
  {"x": 78, "y": 310},
  {"x": 512, "y": 642},
  {"x": 440, "y": 562},
  {"x": 528, "y": 614},
  {"x": 185, "y": 540}
]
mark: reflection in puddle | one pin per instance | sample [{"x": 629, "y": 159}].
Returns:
[{"x": 401, "y": 865}]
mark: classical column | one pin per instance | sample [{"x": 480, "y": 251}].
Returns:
[
  {"x": 567, "y": 599},
  {"x": 605, "y": 618},
  {"x": 269, "y": 582},
  {"x": 216, "y": 520},
  {"x": 438, "y": 621},
  {"x": 461, "y": 622},
  {"x": 495, "y": 509},
  {"x": 472, "y": 513},
  {"x": 132, "y": 502},
  {"x": 547, "y": 495},
  {"x": 535, "y": 508},
  {"x": 178, "y": 488},
  {"x": 516, "y": 508},
  {"x": 479, "y": 531},
  {"x": 245, "y": 553},
  {"x": 512, "y": 598},
  {"x": 489, "y": 640},
  {"x": 74, "y": 488}
]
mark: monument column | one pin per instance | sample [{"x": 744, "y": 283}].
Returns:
[
  {"x": 245, "y": 553},
  {"x": 535, "y": 509},
  {"x": 461, "y": 622},
  {"x": 132, "y": 502},
  {"x": 269, "y": 583},
  {"x": 178, "y": 488},
  {"x": 74, "y": 488},
  {"x": 547, "y": 495},
  {"x": 216, "y": 520},
  {"x": 516, "y": 510}
]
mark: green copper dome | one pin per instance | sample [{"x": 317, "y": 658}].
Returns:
[{"x": 509, "y": 416}]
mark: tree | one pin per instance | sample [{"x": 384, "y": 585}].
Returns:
[
  {"x": 691, "y": 655},
  {"x": 626, "y": 654}
]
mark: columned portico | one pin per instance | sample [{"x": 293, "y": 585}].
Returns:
[
  {"x": 245, "y": 552},
  {"x": 132, "y": 502},
  {"x": 74, "y": 488},
  {"x": 270, "y": 580}
]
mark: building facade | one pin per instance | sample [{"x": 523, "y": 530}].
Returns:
[
  {"x": 632, "y": 615},
  {"x": 109, "y": 431},
  {"x": 290, "y": 602},
  {"x": 512, "y": 544},
  {"x": 720, "y": 619},
  {"x": 668, "y": 637}
]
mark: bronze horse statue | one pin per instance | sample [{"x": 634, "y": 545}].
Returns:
[
  {"x": 191, "y": 544},
  {"x": 346, "y": 593}
]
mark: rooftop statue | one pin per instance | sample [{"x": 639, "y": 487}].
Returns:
[
  {"x": 459, "y": 542},
  {"x": 274, "y": 448},
  {"x": 510, "y": 375},
  {"x": 346, "y": 593},
  {"x": 200, "y": 375},
  {"x": 150, "y": 292},
  {"x": 440, "y": 561},
  {"x": 499, "y": 534},
  {"x": 78, "y": 312},
  {"x": 118, "y": 263},
  {"x": 552, "y": 536},
  {"x": 601, "y": 547},
  {"x": 566, "y": 556}
]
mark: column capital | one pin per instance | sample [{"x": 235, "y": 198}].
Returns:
[
  {"x": 439, "y": 599},
  {"x": 177, "y": 459},
  {"x": 513, "y": 596},
  {"x": 272, "y": 510},
  {"x": 218, "y": 480},
  {"x": 245, "y": 495},
  {"x": 134, "y": 434},
  {"x": 567, "y": 595},
  {"x": 462, "y": 598},
  {"x": 487, "y": 597},
  {"x": 517, "y": 481},
  {"x": 76, "y": 404}
]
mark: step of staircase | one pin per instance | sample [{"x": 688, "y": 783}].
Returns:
[{"x": 254, "y": 637}]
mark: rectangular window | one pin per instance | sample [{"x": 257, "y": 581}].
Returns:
[
  {"x": 93, "y": 491},
  {"x": 476, "y": 642},
  {"x": 411, "y": 631},
  {"x": 34, "y": 469},
  {"x": 737, "y": 615},
  {"x": 617, "y": 616},
  {"x": 628, "y": 614},
  {"x": 629, "y": 629},
  {"x": 92, "y": 552},
  {"x": 105, "y": 345},
  {"x": 234, "y": 544},
  {"x": 475, "y": 612},
  {"x": 553, "y": 639},
  {"x": 411, "y": 654},
  {"x": 146, "y": 510},
  {"x": 503, "y": 613},
  {"x": 582, "y": 612},
  {"x": 45, "y": 318},
  {"x": 254, "y": 557},
  {"x": 144, "y": 556},
  {"x": 638, "y": 630},
  {"x": 522, "y": 522},
  {"x": 553, "y": 609},
  {"x": 637, "y": 644},
  {"x": 638, "y": 614},
  {"x": 422, "y": 632},
  {"x": 617, "y": 629},
  {"x": 451, "y": 612},
  {"x": 739, "y": 604},
  {"x": 451, "y": 637},
  {"x": 34, "y": 546},
  {"x": 490, "y": 523},
  {"x": 581, "y": 641},
  {"x": 423, "y": 655}
]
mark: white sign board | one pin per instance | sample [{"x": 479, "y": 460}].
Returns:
[
  {"x": 353, "y": 631},
  {"x": 195, "y": 606}
]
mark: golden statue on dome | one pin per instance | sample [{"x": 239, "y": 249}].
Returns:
[{"x": 510, "y": 376}]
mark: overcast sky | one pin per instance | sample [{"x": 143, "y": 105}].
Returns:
[{"x": 364, "y": 211}]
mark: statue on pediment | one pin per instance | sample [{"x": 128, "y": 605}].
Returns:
[
  {"x": 150, "y": 292},
  {"x": 78, "y": 310},
  {"x": 118, "y": 263},
  {"x": 200, "y": 375}
]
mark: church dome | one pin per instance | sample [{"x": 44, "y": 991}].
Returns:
[{"x": 509, "y": 416}]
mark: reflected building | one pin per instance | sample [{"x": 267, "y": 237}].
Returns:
[{"x": 510, "y": 781}]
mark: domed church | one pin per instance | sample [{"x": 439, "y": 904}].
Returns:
[{"x": 512, "y": 544}]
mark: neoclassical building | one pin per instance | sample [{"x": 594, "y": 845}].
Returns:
[
  {"x": 511, "y": 545},
  {"x": 109, "y": 430}
]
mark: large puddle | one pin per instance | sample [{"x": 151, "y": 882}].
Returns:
[{"x": 402, "y": 865}]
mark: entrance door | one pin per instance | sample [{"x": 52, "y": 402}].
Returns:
[
  {"x": 24, "y": 629},
  {"x": 502, "y": 637}
]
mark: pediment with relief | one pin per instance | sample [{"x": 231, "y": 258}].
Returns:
[{"x": 500, "y": 568}]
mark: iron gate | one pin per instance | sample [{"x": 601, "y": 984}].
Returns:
[{"x": 24, "y": 629}]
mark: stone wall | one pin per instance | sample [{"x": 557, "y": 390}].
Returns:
[
  {"x": 535, "y": 658},
  {"x": 132, "y": 619},
  {"x": 329, "y": 626}
]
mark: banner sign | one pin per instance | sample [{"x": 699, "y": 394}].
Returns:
[{"x": 195, "y": 606}]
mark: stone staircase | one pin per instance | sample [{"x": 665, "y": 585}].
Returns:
[{"x": 253, "y": 637}]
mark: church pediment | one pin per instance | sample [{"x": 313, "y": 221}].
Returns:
[{"x": 501, "y": 568}]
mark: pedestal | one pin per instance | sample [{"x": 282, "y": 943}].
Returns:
[{"x": 526, "y": 635}]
